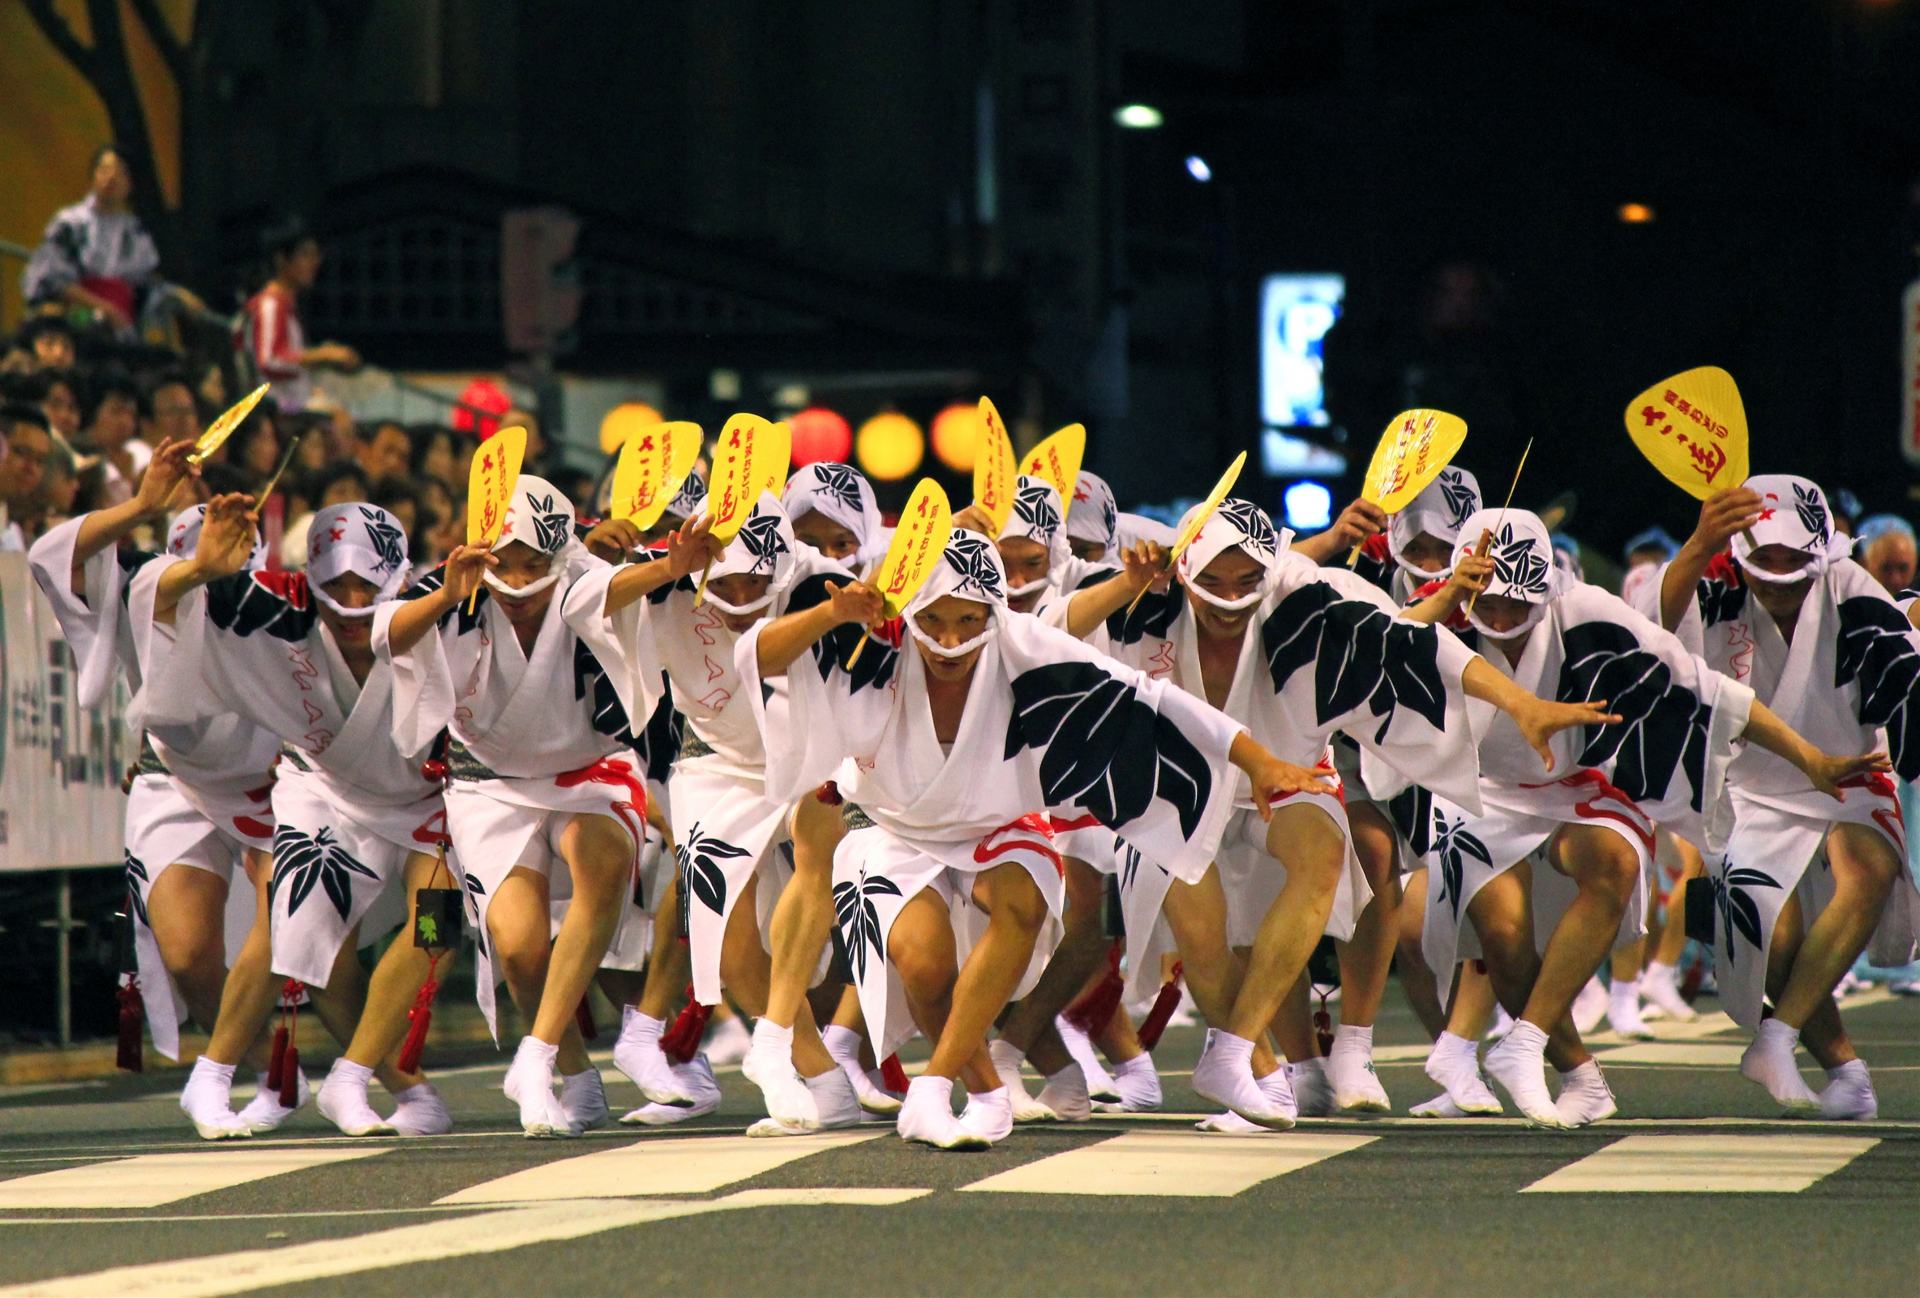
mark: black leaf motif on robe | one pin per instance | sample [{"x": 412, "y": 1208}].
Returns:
[
  {"x": 1412, "y": 813},
  {"x": 303, "y": 861},
  {"x": 1452, "y": 848},
  {"x": 831, "y": 651},
  {"x": 1663, "y": 726},
  {"x": 1876, "y": 651},
  {"x": 1722, "y": 595},
  {"x": 1738, "y": 911},
  {"x": 1104, "y": 750},
  {"x": 701, "y": 874},
  {"x": 1152, "y": 618},
  {"x": 590, "y": 680},
  {"x": 136, "y": 878},
  {"x": 242, "y": 604},
  {"x": 859, "y": 920},
  {"x": 1361, "y": 658}
]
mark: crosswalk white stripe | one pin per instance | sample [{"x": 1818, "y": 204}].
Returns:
[
  {"x": 1706, "y": 1165},
  {"x": 1171, "y": 1163},
  {"x": 1710, "y": 1054},
  {"x": 479, "y": 1233},
  {"x": 151, "y": 1180},
  {"x": 649, "y": 1167}
]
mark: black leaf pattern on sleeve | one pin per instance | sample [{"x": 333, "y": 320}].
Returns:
[
  {"x": 1103, "y": 749},
  {"x": 1663, "y": 726},
  {"x": 877, "y": 660},
  {"x": 590, "y": 679},
  {"x": 1361, "y": 658},
  {"x": 1153, "y": 617},
  {"x": 1876, "y": 650},
  {"x": 277, "y": 603},
  {"x": 1721, "y": 593}
]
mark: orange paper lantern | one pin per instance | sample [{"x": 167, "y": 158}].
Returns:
[
  {"x": 890, "y": 446},
  {"x": 956, "y": 432}
]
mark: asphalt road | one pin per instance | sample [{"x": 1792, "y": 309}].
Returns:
[{"x": 1699, "y": 1188}]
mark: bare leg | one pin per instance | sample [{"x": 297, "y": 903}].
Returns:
[
  {"x": 1311, "y": 847},
  {"x": 1292, "y": 1026},
  {"x": 1016, "y": 913},
  {"x": 1367, "y": 957},
  {"x": 1076, "y": 963},
  {"x": 1197, "y": 915},
  {"x": 1673, "y": 935},
  {"x": 1416, "y": 979},
  {"x": 1502, "y": 915},
  {"x": 248, "y": 994},
  {"x": 1471, "y": 1009},
  {"x": 395, "y": 983},
  {"x": 599, "y": 855},
  {"x": 920, "y": 946},
  {"x": 519, "y": 926},
  {"x": 1864, "y": 868},
  {"x": 803, "y": 916}
]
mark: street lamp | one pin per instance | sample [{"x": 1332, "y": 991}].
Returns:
[{"x": 1138, "y": 117}]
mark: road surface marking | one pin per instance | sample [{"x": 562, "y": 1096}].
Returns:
[
  {"x": 152, "y": 1180},
  {"x": 1171, "y": 1163},
  {"x": 653, "y": 1167},
  {"x": 1706, "y": 1165}
]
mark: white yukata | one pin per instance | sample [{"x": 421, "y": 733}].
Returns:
[
  {"x": 1666, "y": 759},
  {"x": 727, "y": 829},
  {"x": 534, "y": 739},
  {"x": 201, "y": 792},
  {"x": 1050, "y": 727},
  {"x": 1847, "y": 683},
  {"x": 1323, "y": 651},
  {"x": 1438, "y": 511},
  {"x": 348, "y": 806}
]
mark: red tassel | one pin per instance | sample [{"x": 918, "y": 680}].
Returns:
[
  {"x": 583, "y": 1015},
  {"x": 277, "y": 1062},
  {"x": 1163, "y": 1007},
  {"x": 829, "y": 793},
  {"x": 290, "y": 1084},
  {"x": 1323, "y": 1028},
  {"x": 133, "y": 1025},
  {"x": 681, "y": 1040},
  {"x": 419, "y": 1019},
  {"x": 893, "y": 1075},
  {"x": 1480, "y": 967},
  {"x": 1094, "y": 1009}
]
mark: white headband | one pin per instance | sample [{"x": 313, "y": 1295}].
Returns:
[
  {"x": 1036, "y": 517},
  {"x": 840, "y": 493},
  {"x": 364, "y": 540},
  {"x": 1438, "y": 511},
  {"x": 1236, "y": 525},
  {"x": 1095, "y": 517},
  {"x": 1793, "y": 513}
]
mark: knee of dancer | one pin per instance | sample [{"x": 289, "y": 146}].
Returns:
[
  {"x": 1503, "y": 938},
  {"x": 199, "y": 958},
  {"x": 927, "y": 975},
  {"x": 1021, "y": 908},
  {"x": 1614, "y": 876},
  {"x": 523, "y": 964}
]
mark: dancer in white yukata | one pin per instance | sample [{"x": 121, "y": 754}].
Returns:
[
  {"x": 292, "y": 653},
  {"x": 547, "y": 800},
  {"x": 200, "y": 795},
  {"x": 1033, "y": 722},
  {"x": 1550, "y": 874},
  {"x": 1808, "y": 880},
  {"x": 1295, "y": 652}
]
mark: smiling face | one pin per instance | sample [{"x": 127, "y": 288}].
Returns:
[
  {"x": 1428, "y": 553},
  {"x": 951, "y": 622},
  {"x": 828, "y": 537},
  {"x": 350, "y": 590},
  {"x": 520, "y": 566},
  {"x": 1781, "y": 599},
  {"x": 740, "y": 588},
  {"x": 1233, "y": 574},
  {"x": 1026, "y": 563}
]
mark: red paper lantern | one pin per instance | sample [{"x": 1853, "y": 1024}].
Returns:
[
  {"x": 484, "y": 395},
  {"x": 820, "y": 434}
]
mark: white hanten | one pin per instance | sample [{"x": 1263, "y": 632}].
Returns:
[
  {"x": 1454, "y": 1063},
  {"x": 727, "y": 1043},
  {"x": 638, "y": 1054},
  {"x": 583, "y": 1098},
  {"x": 1590, "y": 1006},
  {"x": 927, "y": 1116},
  {"x": 1006, "y": 1062},
  {"x": 1066, "y": 1095},
  {"x": 1100, "y": 1083},
  {"x": 265, "y": 1113},
  {"x": 1312, "y": 1088},
  {"x": 769, "y": 1065},
  {"x": 988, "y": 1115},
  {"x": 1623, "y": 1010},
  {"x": 1224, "y": 1075},
  {"x": 696, "y": 1078},
  {"x": 1139, "y": 1083},
  {"x": 207, "y": 1101},
  {"x": 844, "y": 1045},
  {"x": 1519, "y": 1065},
  {"x": 1660, "y": 985},
  {"x": 343, "y": 1101},
  {"x": 1356, "y": 1087},
  {"x": 529, "y": 1084},
  {"x": 419, "y": 1111},
  {"x": 1769, "y": 1061},
  {"x": 1585, "y": 1097},
  {"x": 1849, "y": 1096}
]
